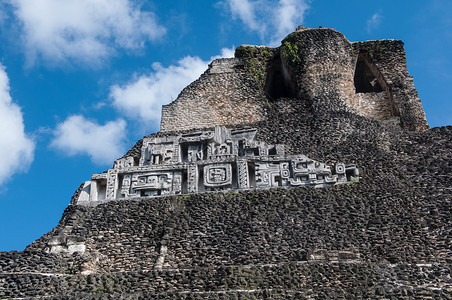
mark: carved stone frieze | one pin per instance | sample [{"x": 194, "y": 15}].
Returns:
[
  {"x": 213, "y": 160},
  {"x": 192, "y": 181},
  {"x": 218, "y": 175},
  {"x": 242, "y": 174}
]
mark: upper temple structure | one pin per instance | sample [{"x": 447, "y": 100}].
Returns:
[{"x": 316, "y": 65}]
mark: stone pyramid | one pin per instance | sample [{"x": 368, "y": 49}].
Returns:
[{"x": 297, "y": 172}]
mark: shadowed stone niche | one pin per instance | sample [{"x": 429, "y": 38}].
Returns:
[
  {"x": 211, "y": 160},
  {"x": 374, "y": 97},
  {"x": 279, "y": 82},
  {"x": 367, "y": 77}
]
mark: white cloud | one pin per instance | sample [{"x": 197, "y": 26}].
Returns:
[
  {"x": 245, "y": 11},
  {"x": 84, "y": 31},
  {"x": 144, "y": 96},
  {"x": 272, "y": 24},
  {"x": 374, "y": 22},
  {"x": 16, "y": 148},
  {"x": 103, "y": 143},
  {"x": 224, "y": 53},
  {"x": 288, "y": 15}
]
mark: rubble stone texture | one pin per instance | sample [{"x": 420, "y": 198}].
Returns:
[
  {"x": 319, "y": 66},
  {"x": 387, "y": 236}
]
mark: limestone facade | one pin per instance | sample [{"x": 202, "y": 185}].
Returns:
[
  {"x": 209, "y": 160},
  {"x": 222, "y": 95}
]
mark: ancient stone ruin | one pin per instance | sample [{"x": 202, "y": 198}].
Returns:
[
  {"x": 316, "y": 65},
  {"x": 216, "y": 160},
  {"x": 216, "y": 204}
]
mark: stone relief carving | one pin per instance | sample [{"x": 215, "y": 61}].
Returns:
[
  {"x": 218, "y": 175},
  {"x": 192, "y": 178},
  {"x": 242, "y": 173},
  {"x": 214, "y": 160}
]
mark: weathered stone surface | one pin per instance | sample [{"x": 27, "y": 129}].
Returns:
[
  {"x": 316, "y": 65},
  {"x": 224, "y": 94},
  {"x": 287, "y": 281},
  {"x": 388, "y": 236},
  {"x": 389, "y": 58}
]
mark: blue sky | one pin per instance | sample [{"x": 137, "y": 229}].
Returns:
[{"x": 82, "y": 80}]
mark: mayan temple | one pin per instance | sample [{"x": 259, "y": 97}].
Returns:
[{"x": 305, "y": 171}]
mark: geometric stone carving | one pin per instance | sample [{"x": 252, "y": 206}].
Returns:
[
  {"x": 192, "y": 178},
  {"x": 150, "y": 184},
  {"x": 218, "y": 175},
  {"x": 211, "y": 160},
  {"x": 242, "y": 174}
]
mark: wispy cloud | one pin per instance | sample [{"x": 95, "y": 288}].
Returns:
[
  {"x": 374, "y": 22},
  {"x": 246, "y": 11},
  {"x": 16, "y": 147},
  {"x": 80, "y": 136},
  {"x": 289, "y": 14},
  {"x": 142, "y": 98},
  {"x": 271, "y": 19},
  {"x": 83, "y": 31}
]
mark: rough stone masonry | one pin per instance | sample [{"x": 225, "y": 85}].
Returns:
[
  {"x": 316, "y": 65},
  {"x": 316, "y": 108}
]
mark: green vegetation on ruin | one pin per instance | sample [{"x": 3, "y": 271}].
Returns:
[
  {"x": 291, "y": 53},
  {"x": 257, "y": 60}
]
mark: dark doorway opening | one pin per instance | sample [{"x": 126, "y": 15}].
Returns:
[
  {"x": 279, "y": 83},
  {"x": 367, "y": 75}
]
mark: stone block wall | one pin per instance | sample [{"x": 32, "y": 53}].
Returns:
[
  {"x": 224, "y": 94},
  {"x": 322, "y": 65},
  {"x": 390, "y": 58},
  {"x": 381, "y": 218},
  {"x": 287, "y": 281},
  {"x": 387, "y": 236},
  {"x": 326, "y": 68},
  {"x": 319, "y": 66},
  {"x": 378, "y": 106}
]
